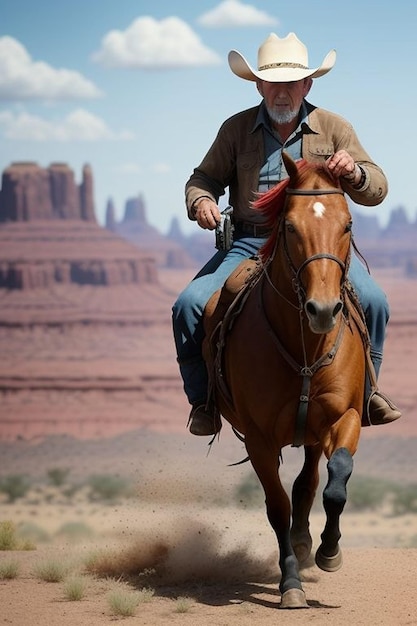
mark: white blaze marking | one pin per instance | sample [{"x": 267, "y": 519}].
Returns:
[{"x": 319, "y": 209}]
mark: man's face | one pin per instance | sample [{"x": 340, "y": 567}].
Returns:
[{"x": 283, "y": 100}]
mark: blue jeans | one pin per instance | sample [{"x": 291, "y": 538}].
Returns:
[{"x": 187, "y": 312}]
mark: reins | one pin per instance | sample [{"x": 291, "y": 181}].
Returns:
[{"x": 313, "y": 192}]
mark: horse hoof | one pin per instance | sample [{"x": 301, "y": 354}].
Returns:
[
  {"x": 294, "y": 599},
  {"x": 329, "y": 563}
]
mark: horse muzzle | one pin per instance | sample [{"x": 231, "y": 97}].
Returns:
[{"x": 322, "y": 316}]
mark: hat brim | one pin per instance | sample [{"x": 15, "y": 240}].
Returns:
[{"x": 241, "y": 68}]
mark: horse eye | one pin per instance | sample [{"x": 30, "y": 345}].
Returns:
[
  {"x": 290, "y": 227},
  {"x": 348, "y": 227}
]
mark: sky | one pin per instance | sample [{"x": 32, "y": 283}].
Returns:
[{"x": 138, "y": 89}]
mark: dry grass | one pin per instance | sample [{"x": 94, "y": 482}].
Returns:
[
  {"x": 75, "y": 588},
  {"x": 9, "y": 570},
  {"x": 52, "y": 570}
]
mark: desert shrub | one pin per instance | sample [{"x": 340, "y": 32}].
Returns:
[
  {"x": 183, "y": 604},
  {"x": 108, "y": 487},
  {"x": 8, "y": 536},
  {"x": 123, "y": 602},
  {"x": 404, "y": 499},
  {"x": 57, "y": 476},
  {"x": 9, "y": 570},
  {"x": 75, "y": 531},
  {"x": 11, "y": 540},
  {"x": 14, "y": 486},
  {"x": 51, "y": 571},
  {"x": 74, "y": 589},
  {"x": 367, "y": 492}
]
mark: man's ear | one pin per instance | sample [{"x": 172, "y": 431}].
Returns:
[{"x": 259, "y": 87}]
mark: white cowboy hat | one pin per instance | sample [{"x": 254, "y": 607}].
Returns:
[{"x": 280, "y": 61}]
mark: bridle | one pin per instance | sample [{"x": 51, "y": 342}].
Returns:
[{"x": 297, "y": 283}]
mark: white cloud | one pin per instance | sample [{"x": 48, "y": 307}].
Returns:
[
  {"x": 21, "y": 78},
  {"x": 151, "y": 44},
  {"x": 79, "y": 125},
  {"x": 233, "y": 13}
]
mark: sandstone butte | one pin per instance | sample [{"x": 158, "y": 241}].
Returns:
[{"x": 50, "y": 240}]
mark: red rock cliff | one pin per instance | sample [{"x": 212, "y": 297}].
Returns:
[
  {"x": 30, "y": 192},
  {"x": 49, "y": 234}
]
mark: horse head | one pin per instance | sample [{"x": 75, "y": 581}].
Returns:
[{"x": 313, "y": 234}]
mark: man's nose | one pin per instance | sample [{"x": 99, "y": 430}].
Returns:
[{"x": 280, "y": 90}]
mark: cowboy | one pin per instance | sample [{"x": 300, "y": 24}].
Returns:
[{"x": 246, "y": 158}]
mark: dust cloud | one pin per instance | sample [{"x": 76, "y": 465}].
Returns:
[{"x": 186, "y": 551}]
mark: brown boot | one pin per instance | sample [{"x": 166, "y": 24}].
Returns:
[
  {"x": 202, "y": 422},
  {"x": 382, "y": 410}
]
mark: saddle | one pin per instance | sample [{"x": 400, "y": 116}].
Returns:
[
  {"x": 226, "y": 304},
  {"x": 220, "y": 308}
]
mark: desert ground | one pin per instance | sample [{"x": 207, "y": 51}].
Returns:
[{"x": 187, "y": 533}]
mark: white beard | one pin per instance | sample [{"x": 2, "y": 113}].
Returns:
[{"x": 281, "y": 117}]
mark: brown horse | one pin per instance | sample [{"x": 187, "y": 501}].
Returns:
[{"x": 290, "y": 370}]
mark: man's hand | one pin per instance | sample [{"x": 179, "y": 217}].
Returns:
[
  {"x": 342, "y": 164},
  {"x": 207, "y": 214}
]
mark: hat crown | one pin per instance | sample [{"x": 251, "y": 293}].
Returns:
[{"x": 286, "y": 52}]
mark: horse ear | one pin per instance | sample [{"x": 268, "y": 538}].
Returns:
[{"x": 290, "y": 165}]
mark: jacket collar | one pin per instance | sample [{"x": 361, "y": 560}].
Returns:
[{"x": 262, "y": 118}]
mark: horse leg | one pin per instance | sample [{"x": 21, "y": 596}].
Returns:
[
  {"x": 266, "y": 465},
  {"x": 303, "y": 494},
  {"x": 339, "y": 466}
]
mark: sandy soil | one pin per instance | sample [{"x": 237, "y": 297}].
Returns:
[
  {"x": 185, "y": 521},
  {"x": 375, "y": 587}
]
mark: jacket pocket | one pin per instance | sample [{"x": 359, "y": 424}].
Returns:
[
  {"x": 319, "y": 152},
  {"x": 247, "y": 161}
]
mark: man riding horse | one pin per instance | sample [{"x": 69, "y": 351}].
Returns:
[{"x": 246, "y": 157}]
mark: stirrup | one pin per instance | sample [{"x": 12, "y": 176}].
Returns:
[{"x": 379, "y": 410}]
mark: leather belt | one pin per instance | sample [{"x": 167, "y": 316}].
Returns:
[{"x": 254, "y": 230}]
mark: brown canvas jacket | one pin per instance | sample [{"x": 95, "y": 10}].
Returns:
[{"x": 237, "y": 154}]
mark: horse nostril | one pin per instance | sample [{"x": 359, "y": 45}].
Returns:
[
  {"x": 311, "y": 308},
  {"x": 337, "y": 308}
]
